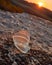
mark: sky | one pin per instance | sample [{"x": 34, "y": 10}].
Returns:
[{"x": 46, "y": 3}]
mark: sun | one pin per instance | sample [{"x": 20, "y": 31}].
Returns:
[{"x": 40, "y": 4}]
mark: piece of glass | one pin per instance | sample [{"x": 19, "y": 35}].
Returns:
[{"x": 21, "y": 41}]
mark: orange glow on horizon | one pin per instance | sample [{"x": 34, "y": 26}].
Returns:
[{"x": 46, "y": 3}]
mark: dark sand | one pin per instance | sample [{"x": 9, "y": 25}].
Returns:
[{"x": 41, "y": 39}]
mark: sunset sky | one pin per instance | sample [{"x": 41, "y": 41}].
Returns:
[{"x": 46, "y": 3}]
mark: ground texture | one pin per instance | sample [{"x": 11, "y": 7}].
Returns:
[{"x": 40, "y": 42}]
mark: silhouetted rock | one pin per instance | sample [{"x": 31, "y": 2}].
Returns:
[{"x": 9, "y": 6}]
